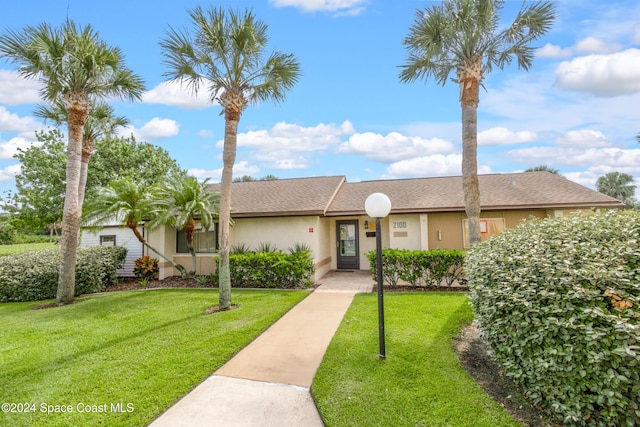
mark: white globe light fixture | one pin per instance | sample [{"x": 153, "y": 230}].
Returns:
[{"x": 378, "y": 206}]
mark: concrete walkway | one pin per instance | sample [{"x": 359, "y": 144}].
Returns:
[{"x": 267, "y": 383}]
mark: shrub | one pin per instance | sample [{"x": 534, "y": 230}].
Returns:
[
  {"x": 431, "y": 268},
  {"x": 270, "y": 270},
  {"x": 557, "y": 300},
  {"x": 145, "y": 267},
  {"x": 32, "y": 276}
]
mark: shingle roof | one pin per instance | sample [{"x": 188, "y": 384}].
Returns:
[
  {"x": 333, "y": 196},
  {"x": 283, "y": 197},
  {"x": 528, "y": 190}
]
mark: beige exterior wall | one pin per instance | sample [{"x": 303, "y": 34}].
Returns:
[{"x": 404, "y": 231}]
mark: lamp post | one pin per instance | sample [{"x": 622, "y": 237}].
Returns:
[{"x": 378, "y": 206}]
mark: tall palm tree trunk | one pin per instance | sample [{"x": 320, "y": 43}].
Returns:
[
  {"x": 232, "y": 117},
  {"x": 470, "y": 98},
  {"x": 72, "y": 210},
  {"x": 189, "y": 228}
]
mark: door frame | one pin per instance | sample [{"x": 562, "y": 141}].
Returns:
[{"x": 351, "y": 262}]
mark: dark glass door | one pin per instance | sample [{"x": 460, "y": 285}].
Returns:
[{"x": 347, "y": 243}]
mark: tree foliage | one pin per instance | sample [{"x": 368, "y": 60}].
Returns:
[
  {"x": 464, "y": 38},
  {"x": 226, "y": 52},
  {"x": 41, "y": 182},
  {"x": 619, "y": 186},
  {"x": 75, "y": 68},
  {"x": 543, "y": 168}
]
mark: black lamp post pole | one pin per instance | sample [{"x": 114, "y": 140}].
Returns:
[{"x": 383, "y": 353}]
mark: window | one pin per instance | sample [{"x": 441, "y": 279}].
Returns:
[
  {"x": 108, "y": 240},
  {"x": 203, "y": 241},
  {"x": 488, "y": 227}
]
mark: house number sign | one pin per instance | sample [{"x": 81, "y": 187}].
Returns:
[{"x": 399, "y": 224}]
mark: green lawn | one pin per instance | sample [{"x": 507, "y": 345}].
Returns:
[
  {"x": 420, "y": 383},
  {"x": 133, "y": 352},
  {"x": 24, "y": 247}
]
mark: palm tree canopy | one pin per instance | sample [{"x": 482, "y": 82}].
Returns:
[
  {"x": 617, "y": 185},
  {"x": 101, "y": 122},
  {"x": 122, "y": 200},
  {"x": 72, "y": 62},
  {"x": 227, "y": 55},
  {"x": 179, "y": 200},
  {"x": 463, "y": 36},
  {"x": 543, "y": 168}
]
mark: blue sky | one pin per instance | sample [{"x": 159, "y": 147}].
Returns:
[{"x": 576, "y": 110}]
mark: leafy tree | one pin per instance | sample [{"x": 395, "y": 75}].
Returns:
[
  {"x": 619, "y": 186},
  {"x": 125, "y": 201},
  {"x": 178, "y": 201},
  {"x": 226, "y": 54},
  {"x": 100, "y": 122},
  {"x": 75, "y": 68},
  {"x": 463, "y": 37},
  {"x": 40, "y": 183},
  {"x": 543, "y": 168},
  {"x": 248, "y": 178}
]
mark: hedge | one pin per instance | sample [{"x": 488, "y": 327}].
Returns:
[
  {"x": 557, "y": 300},
  {"x": 33, "y": 276},
  {"x": 270, "y": 269},
  {"x": 432, "y": 268}
]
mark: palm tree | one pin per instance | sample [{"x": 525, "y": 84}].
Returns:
[
  {"x": 101, "y": 122},
  {"x": 75, "y": 68},
  {"x": 462, "y": 37},
  {"x": 226, "y": 55},
  {"x": 617, "y": 185},
  {"x": 127, "y": 202},
  {"x": 178, "y": 201}
]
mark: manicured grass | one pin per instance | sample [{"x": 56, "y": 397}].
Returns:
[
  {"x": 141, "y": 350},
  {"x": 420, "y": 383},
  {"x": 24, "y": 247}
]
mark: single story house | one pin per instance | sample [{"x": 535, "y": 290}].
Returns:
[{"x": 327, "y": 214}]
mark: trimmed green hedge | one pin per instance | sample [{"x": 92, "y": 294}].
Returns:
[
  {"x": 33, "y": 276},
  {"x": 270, "y": 270},
  {"x": 558, "y": 300},
  {"x": 431, "y": 268}
]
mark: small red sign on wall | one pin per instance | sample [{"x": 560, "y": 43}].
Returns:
[
  {"x": 310, "y": 229},
  {"x": 484, "y": 226}
]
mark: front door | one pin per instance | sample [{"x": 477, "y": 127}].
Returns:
[{"x": 347, "y": 243}]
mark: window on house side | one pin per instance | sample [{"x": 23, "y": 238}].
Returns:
[
  {"x": 108, "y": 240},
  {"x": 203, "y": 241}
]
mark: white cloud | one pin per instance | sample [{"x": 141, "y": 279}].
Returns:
[
  {"x": 281, "y": 145},
  {"x": 154, "y": 129},
  {"x": 394, "y": 146},
  {"x": 435, "y": 165},
  {"x": 594, "y": 45},
  {"x": 584, "y": 138},
  {"x": 10, "y": 122},
  {"x": 239, "y": 169},
  {"x": 173, "y": 93},
  {"x": 9, "y": 173},
  {"x": 602, "y": 75},
  {"x": 295, "y": 138},
  {"x": 503, "y": 136},
  {"x": 205, "y": 133},
  {"x": 607, "y": 159},
  {"x": 9, "y": 148},
  {"x": 16, "y": 90},
  {"x": 344, "y": 7},
  {"x": 552, "y": 51}
]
